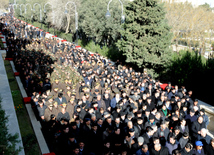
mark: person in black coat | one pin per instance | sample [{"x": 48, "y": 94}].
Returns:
[
  {"x": 197, "y": 126},
  {"x": 148, "y": 135},
  {"x": 183, "y": 127},
  {"x": 206, "y": 139},
  {"x": 187, "y": 150},
  {"x": 94, "y": 139},
  {"x": 159, "y": 150},
  {"x": 116, "y": 140},
  {"x": 209, "y": 149}
]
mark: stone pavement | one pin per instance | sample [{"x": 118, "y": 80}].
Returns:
[{"x": 8, "y": 105}]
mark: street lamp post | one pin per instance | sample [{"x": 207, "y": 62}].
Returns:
[
  {"x": 40, "y": 11},
  {"x": 76, "y": 18},
  {"x": 109, "y": 15},
  {"x": 53, "y": 15},
  {"x": 21, "y": 9},
  {"x": 26, "y": 10},
  {"x": 16, "y": 8}
]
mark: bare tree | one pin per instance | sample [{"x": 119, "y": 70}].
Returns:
[
  {"x": 63, "y": 21},
  {"x": 4, "y": 4}
]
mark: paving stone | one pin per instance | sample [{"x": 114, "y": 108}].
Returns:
[{"x": 8, "y": 105}]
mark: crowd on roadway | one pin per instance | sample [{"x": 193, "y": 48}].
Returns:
[{"x": 90, "y": 105}]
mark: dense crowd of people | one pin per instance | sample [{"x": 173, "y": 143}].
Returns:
[{"x": 90, "y": 105}]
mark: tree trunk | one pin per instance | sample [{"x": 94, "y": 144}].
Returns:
[
  {"x": 176, "y": 45},
  {"x": 68, "y": 24}
]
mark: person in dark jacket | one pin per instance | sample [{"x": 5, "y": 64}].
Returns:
[
  {"x": 143, "y": 151},
  {"x": 199, "y": 148},
  {"x": 183, "y": 127},
  {"x": 159, "y": 150},
  {"x": 171, "y": 144},
  {"x": 206, "y": 119},
  {"x": 184, "y": 140},
  {"x": 197, "y": 126},
  {"x": 41, "y": 109},
  {"x": 63, "y": 115},
  {"x": 191, "y": 117},
  {"x": 61, "y": 99},
  {"x": 204, "y": 137},
  {"x": 210, "y": 148},
  {"x": 187, "y": 150}
]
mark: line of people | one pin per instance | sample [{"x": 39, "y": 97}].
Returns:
[{"x": 90, "y": 105}]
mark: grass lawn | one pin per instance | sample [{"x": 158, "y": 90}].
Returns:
[
  {"x": 1, "y": 44},
  {"x": 30, "y": 143}
]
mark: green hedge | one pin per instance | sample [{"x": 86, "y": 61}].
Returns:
[{"x": 1, "y": 44}]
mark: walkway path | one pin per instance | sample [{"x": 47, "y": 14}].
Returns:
[{"x": 8, "y": 105}]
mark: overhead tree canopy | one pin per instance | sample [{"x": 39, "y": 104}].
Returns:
[
  {"x": 146, "y": 35},
  {"x": 94, "y": 23}
]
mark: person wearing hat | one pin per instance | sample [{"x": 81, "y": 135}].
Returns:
[
  {"x": 48, "y": 112},
  {"x": 67, "y": 95},
  {"x": 198, "y": 148},
  {"x": 100, "y": 102},
  {"x": 56, "y": 84},
  {"x": 205, "y": 117},
  {"x": 56, "y": 108},
  {"x": 49, "y": 100}
]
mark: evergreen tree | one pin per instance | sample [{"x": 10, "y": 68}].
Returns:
[
  {"x": 146, "y": 35},
  {"x": 95, "y": 25}
]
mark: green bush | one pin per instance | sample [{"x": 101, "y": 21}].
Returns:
[
  {"x": 193, "y": 71},
  {"x": 108, "y": 52},
  {"x": 191, "y": 43},
  {"x": 8, "y": 142}
]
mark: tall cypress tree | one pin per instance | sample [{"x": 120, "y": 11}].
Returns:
[{"x": 146, "y": 35}]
